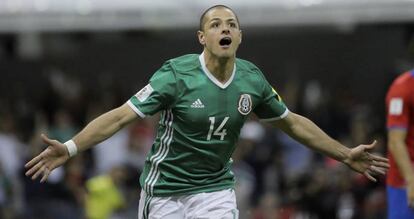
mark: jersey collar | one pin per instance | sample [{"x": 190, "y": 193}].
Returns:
[{"x": 211, "y": 76}]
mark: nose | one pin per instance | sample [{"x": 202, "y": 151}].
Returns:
[{"x": 225, "y": 31}]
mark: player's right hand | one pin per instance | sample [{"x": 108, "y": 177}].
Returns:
[{"x": 52, "y": 157}]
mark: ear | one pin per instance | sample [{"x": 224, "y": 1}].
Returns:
[
  {"x": 241, "y": 36},
  {"x": 201, "y": 38}
]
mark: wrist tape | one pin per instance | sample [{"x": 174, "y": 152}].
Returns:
[{"x": 72, "y": 149}]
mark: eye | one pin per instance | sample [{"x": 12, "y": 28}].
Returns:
[
  {"x": 214, "y": 25},
  {"x": 233, "y": 25}
]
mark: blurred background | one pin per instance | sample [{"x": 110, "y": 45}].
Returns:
[{"x": 62, "y": 63}]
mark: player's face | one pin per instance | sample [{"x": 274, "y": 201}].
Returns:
[{"x": 221, "y": 35}]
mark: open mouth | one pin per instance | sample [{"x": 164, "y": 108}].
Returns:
[{"x": 226, "y": 41}]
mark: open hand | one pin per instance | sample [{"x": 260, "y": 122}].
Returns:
[
  {"x": 52, "y": 157},
  {"x": 366, "y": 163}
]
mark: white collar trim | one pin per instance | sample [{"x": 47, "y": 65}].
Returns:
[{"x": 211, "y": 76}]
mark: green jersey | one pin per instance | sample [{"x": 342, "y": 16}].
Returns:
[{"x": 200, "y": 123}]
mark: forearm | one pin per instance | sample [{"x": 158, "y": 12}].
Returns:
[
  {"x": 400, "y": 153},
  {"x": 103, "y": 127},
  {"x": 310, "y": 135}
]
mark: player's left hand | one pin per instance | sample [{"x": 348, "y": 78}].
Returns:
[{"x": 366, "y": 163}]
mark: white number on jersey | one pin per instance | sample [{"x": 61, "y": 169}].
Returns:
[{"x": 219, "y": 131}]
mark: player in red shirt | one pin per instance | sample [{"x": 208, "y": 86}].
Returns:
[{"x": 400, "y": 124}]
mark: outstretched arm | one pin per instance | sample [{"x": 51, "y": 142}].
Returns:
[
  {"x": 101, "y": 128},
  {"x": 309, "y": 134}
]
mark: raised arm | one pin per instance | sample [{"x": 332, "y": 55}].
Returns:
[
  {"x": 309, "y": 134},
  {"x": 57, "y": 153}
]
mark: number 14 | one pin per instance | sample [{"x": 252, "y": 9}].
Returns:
[{"x": 219, "y": 131}]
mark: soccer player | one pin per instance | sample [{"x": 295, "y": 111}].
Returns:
[
  {"x": 400, "y": 124},
  {"x": 204, "y": 99}
]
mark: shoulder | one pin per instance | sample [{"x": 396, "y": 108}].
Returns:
[
  {"x": 404, "y": 82},
  {"x": 184, "y": 63},
  {"x": 403, "y": 85},
  {"x": 249, "y": 70},
  {"x": 177, "y": 66},
  {"x": 247, "y": 66}
]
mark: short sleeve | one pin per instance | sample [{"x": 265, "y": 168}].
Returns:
[
  {"x": 398, "y": 107},
  {"x": 158, "y": 95},
  {"x": 271, "y": 107}
]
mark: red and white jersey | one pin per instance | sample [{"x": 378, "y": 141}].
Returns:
[{"x": 400, "y": 115}]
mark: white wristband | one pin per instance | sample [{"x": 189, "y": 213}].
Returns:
[{"x": 72, "y": 149}]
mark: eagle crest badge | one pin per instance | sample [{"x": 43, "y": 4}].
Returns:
[{"x": 245, "y": 104}]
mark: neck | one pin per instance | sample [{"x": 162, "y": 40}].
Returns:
[{"x": 220, "y": 68}]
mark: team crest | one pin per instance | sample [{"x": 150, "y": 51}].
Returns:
[{"x": 245, "y": 104}]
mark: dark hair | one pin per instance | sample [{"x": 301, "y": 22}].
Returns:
[{"x": 202, "y": 18}]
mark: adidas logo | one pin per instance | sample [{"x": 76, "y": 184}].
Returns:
[{"x": 197, "y": 104}]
